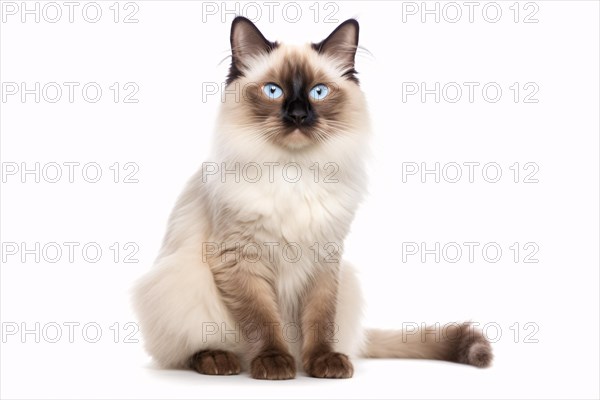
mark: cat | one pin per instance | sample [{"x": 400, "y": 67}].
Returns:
[{"x": 250, "y": 275}]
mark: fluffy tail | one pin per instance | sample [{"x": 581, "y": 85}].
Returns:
[{"x": 459, "y": 343}]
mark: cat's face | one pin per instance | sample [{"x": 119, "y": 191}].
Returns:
[{"x": 293, "y": 96}]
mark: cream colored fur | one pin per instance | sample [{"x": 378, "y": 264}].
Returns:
[{"x": 178, "y": 303}]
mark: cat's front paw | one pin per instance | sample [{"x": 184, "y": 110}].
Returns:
[
  {"x": 273, "y": 365},
  {"x": 215, "y": 362},
  {"x": 329, "y": 365}
]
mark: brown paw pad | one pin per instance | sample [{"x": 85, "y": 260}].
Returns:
[
  {"x": 273, "y": 365},
  {"x": 330, "y": 365},
  {"x": 215, "y": 362}
]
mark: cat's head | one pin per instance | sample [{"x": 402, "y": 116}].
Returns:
[{"x": 294, "y": 97}]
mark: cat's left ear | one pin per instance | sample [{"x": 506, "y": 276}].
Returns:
[
  {"x": 246, "y": 42},
  {"x": 341, "y": 45}
]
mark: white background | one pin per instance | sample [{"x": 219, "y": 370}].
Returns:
[{"x": 170, "y": 53}]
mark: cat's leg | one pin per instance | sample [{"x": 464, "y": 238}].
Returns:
[
  {"x": 350, "y": 335},
  {"x": 247, "y": 288},
  {"x": 319, "y": 328},
  {"x": 182, "y": 318}
]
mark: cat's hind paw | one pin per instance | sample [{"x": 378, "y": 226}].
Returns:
[{"x": 215, "y": 362}]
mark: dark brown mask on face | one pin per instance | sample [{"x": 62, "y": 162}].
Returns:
[{"x": 295, "y": 100}]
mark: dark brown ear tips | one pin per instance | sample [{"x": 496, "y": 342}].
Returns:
[
  {"x": 246, "y": 37},
  {"x": 246, "y": 41},
  {"x": 341, "y": 45},
  {"x": 344, "y": 36}
]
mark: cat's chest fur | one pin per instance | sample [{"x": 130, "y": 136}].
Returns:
[
  {"x": 299, "y": 207},
  {"x": 296, "y": 220}
]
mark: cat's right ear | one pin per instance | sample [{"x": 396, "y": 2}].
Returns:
[{"x": 246, "y": 42}]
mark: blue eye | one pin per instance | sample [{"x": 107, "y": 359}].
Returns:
[
  {"x": 272, "y": 91},
  {"x": 319, "y": 92}
]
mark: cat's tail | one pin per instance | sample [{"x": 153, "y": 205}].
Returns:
[{"x": 459, "y": 343}]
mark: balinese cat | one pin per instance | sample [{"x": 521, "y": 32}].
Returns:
[{"x": 249, "y": 275}]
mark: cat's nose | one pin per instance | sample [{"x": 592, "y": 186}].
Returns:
[{"x": 297, "y": 112}]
